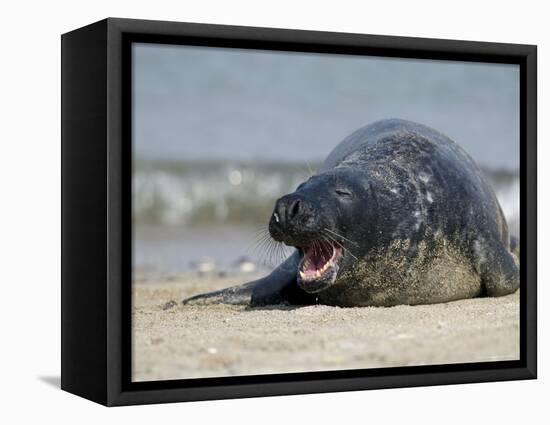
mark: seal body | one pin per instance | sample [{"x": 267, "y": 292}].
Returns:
[{"x": 398, "y": 214}]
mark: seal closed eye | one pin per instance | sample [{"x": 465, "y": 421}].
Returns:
[{"x": 398, "y": 214}]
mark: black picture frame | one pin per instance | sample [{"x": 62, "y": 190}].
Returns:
[{"x": 96, "y": 211}]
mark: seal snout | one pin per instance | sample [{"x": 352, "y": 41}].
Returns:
[{"x": 293, "y": 220}]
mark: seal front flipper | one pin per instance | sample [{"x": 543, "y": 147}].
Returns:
[
  {"x": 497, "y": 268},
  {"x": 281, "y": 287},
  {"x": 278, "y": 287}
]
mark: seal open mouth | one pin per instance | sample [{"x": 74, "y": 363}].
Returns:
[{"x": 319, "y": 266}]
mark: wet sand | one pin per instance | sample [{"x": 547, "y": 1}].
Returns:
[{"x": 172, "y": 341}]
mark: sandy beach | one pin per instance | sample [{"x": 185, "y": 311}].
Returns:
[{"x": 173, "y": 341}]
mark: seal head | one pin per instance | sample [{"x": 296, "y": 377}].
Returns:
[{"x": 326, "y": 219}]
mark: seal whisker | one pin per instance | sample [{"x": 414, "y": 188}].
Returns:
[
  {"x": 261, "y": 232},
  {"x": 309, "y": 168},
  {"x": 281, "y": 252},
  {"x": 276, "y": 252},
  {"x": 259, "y": 241},
  {"x": 260, "y": 238},
  {"x": 340, "y": 244},
  {"x": 261, "y": 229},
  {"x": 264, "y": 247},
  {"x": 340, "y": 236},
  {"x": 271, "y": 246}
]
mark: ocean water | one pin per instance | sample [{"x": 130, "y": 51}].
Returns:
[{"x": 220, "y": 134}]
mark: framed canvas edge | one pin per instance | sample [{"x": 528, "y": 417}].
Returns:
[
  {"x": 118, "y": 393},
  {"x": 84, "y": 290}
]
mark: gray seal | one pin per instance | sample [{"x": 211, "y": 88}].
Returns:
[{"x": 397, "y": 214}]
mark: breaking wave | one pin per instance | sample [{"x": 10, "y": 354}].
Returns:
[
  {"x": 180, "y": 193},
  {"x": 220, "y": 192}
]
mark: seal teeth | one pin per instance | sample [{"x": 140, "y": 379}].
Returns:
[
  {"x": 311, "y": 269},
  {"x": 326, "y": 266}
]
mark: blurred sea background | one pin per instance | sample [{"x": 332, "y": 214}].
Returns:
[{"x": 220, "y": 134}]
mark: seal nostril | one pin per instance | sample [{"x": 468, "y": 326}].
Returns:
[{"x": 294, "y": 208}]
